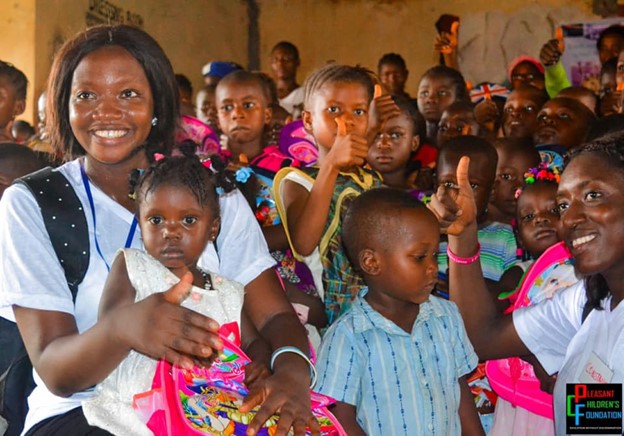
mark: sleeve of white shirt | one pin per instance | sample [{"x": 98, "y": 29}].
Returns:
[
  {"x": 241, "y": 249},
  {"x": 30, "y": 272},
  {"x": 547, "y": 328}
]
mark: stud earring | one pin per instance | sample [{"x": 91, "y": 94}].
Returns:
[{"x": 154, "y": 121}]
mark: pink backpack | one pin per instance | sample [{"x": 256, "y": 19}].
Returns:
[
  {"x": 513, "y": 379},
  {"x": 205, "y": 401}
]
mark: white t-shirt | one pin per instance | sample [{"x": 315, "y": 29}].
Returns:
[
  {"x": 31, "y": 275},
  {"x": 555, "y": 333},
  {"x": 295, "y": 98}
]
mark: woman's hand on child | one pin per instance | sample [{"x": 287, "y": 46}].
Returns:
[
  {"x": 348, "y": 150},
  {"x": 550, "y": 53},
  {"x": 283, "y": 395},
  {"x": 159, "y": 327},
  {"x": 454, "y": 206}
]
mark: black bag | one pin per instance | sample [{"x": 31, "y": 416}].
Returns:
[{"x": 66, "y": 225}]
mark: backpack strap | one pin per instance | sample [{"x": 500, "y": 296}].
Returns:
[{"x": 64, "y": 220}]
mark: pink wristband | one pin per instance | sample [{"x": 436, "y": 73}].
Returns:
[{"x": 463, "y": 260}]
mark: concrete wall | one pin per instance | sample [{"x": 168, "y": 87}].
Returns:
[{"x": 194, "y": 32}]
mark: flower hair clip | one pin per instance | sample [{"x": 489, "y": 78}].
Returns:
[
  {"x": 542, "y": 173},
  {"x": 158, "y": 156}
]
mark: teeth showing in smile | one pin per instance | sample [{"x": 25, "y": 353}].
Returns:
[
  {"x": 583, "y": 240},
  {"x": 110, "y": 134}
]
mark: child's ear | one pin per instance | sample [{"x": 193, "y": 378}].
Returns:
[
  {"x": 415, "y": 143},
  {"x": 268, "y": 115},
  {"x": 19, "y": 107},
  {"x": 214, "y": 229},
  {"x": 369, "y": 262},
  {"x": 306, "y": 117}
]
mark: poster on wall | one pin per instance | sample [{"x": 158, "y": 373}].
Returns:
[{"x": 580, "y": 58}]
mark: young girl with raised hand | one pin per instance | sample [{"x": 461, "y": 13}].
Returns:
[
  {"x": 579, "y": 328},
  {"x": 112, "y": 95},
  {"x": 178, "y": 214},
  {"x": 312, "y": 201}
]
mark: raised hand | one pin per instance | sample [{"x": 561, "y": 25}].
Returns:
[
  {"x": 455, "y": 206},
  {"x": 381, "y": 109},
  {"x": 446, "y": 42},
  {"x": 348, "y": 150},
  {"x": 486, "y": 115},
  {"x": 551, "y": 52}
]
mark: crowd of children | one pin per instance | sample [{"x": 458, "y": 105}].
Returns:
[{"x": 365, "y": 265}]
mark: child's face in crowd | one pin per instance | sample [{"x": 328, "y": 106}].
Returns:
[
  {"x": 174, "y": 227},
  {"x": 480, "y": 176},
  {"x": 435, "y": 94},
  {"x": 607, "y": 93},
  {"x": 10, "y": 105},
  {"x": 283, "y": 64},
  {"x": 526, "y": 73},
  {"x": 509, "y": 177},
  {"x": 611, "y": 47},
  {"x": 557, "y": 123},
  {"x": 347, "y": 100},
  {"x": 456, "y": 123},
  {"x": 520, "y": 114},
  {"x": 394, "y": 145},
  {"x": 538, "y": 217},
  {"x": 393, "y": 77},
  {"x": 408, "y": 270},
  {"x": 209, "y": 107},
  {"x": 243, "y": 111}
]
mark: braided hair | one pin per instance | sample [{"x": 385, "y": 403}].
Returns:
[{"x": 332, "y": 73}]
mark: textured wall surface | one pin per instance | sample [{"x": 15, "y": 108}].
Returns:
[{"x": 194, "y": 32}]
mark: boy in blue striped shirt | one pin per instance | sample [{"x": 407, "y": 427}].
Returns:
[{"x": 396, "y": 361}]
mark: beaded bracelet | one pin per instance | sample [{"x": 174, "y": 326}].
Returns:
[
  {"x": 297, "y": 351},
  {"x": 463, "y": 260}
]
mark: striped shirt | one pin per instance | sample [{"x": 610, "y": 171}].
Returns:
[
  {"x": 498, "y": 251},
  {"x": 399, "y": 383}
]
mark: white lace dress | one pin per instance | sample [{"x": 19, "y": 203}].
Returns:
[{"x": 111, "y": 406}]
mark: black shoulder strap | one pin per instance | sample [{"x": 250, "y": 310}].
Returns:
[
  {"x": 65, "y": 222},
  {"x": 586, "y": 311}
]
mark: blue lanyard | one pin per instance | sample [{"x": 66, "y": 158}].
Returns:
[{"x": 133, "y": 226}]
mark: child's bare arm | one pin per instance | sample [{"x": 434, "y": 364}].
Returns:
[
  {"x": 345, "y": 414},
  {"x": 275, "y": 237},
  {"x": 258, "y": 351},
  {"x": 317, "y": 316},
  {"x": 468, "y": 416},
  {"x": 307, "y": 212}
]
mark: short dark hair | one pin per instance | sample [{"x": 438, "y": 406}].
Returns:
[
  {"x": 456, "y": 78},
  {"x": 372, "y": 217},
  {"x": 332, "y": 73},
  {"x": 21, "y": 158},
  {"x": 145, "y": 50},
  {"x": 471, "y": 146},
  {"x": 606, "y": 125},
  {"x": 243, "y": 76},
  {"x": 392, "y": 58},
  {"x": 408, "y": 107},
  {"x": 16, "y": 78},
  {"x": 182, "y": 171},
  {"x": 184, "y": 83},
  {"x": 287, "y": 46}
]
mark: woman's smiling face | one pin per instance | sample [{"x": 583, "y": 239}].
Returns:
[
  {"x": 111, "y": 105},
  {"x": 590, "y": 200}
]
